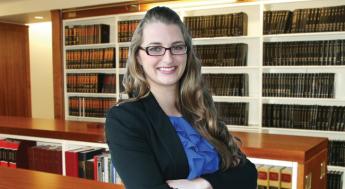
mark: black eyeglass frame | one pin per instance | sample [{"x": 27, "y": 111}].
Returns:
[{"x": 146, "y": 49}]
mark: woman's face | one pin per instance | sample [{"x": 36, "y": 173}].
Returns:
[{"x": 163, "y": 70}]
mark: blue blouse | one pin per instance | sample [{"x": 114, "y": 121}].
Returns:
[{"x": 202, "y": 156}]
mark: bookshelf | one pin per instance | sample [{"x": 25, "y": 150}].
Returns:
[
  {"x": 255, "y": 67},
  {"x": 115, "y": 70},
  {"x": 296, "y": 152},
  {"x": 337, "y": 70}
]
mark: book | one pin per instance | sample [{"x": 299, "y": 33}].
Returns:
[
  {"x": 3, "y": 153},
  {"x": 71, "y": 159},
  {"x": 286, "y": 178},
  {"x": 14, "y": 152},
  {"x": 263, "y": 178},
  {"x": 275, "y": 177},
  {"x": 84, "y": 156}
]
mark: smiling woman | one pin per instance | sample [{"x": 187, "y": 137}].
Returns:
[
  {"x": 162, "y": 68},
  {"x": 167, "y": 135}
]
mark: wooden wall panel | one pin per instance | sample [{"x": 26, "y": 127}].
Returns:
[
  {"x": 57, "y": 64},
  {"x": 15, "y": 92}
]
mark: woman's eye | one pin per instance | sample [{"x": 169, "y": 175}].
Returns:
[
  {"x": 155, "y": 49},
  {"x": 180, "y": 47}
]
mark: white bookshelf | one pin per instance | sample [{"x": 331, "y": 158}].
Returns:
[
  {"x": 339, "y": 71},
  {"x": 65, "y": 144},
  {"x": 254, "y": 68},
  {"x": 292, "y": 165}
]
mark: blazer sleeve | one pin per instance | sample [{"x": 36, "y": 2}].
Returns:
[
  {"x": 130, "y": 151},
  {"x": 243, "y": 176}
]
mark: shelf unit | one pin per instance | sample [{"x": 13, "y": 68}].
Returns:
[
  {"x": 338, "y": 100},
  {"x": 65, "y": 144},
  {"x": 108, "y": 20},
  {"x": 293, "y": 151},
  {"x": 255, "y": 68}
]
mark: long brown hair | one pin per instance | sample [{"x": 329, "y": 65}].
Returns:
[{"x": 193, "y": 100}]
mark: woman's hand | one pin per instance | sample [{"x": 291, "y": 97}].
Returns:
[{"x": 198, "y": 183}]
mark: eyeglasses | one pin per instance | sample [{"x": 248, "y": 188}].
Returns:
[{"x": 160, "y": 51}]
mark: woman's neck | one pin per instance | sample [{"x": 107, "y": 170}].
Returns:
[{"x": 166, "y": 99}]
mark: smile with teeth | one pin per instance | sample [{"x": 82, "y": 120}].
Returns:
[{"x": 170, "y": 68}]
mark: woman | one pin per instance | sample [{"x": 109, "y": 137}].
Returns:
[{"x": 167, "y": 134}]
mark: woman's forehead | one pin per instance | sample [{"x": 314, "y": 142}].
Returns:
[{"x": 158, "y": 32}]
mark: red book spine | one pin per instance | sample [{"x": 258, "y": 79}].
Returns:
[
  {"x": 5, "y": 149},
  {"x": 13, "y": 150},
  {"x": 3, "y": 160},
  {"x": 71, "y": 163},
  {"x": 95, "y": 167}
]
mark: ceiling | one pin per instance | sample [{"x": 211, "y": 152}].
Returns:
[
  {"x": 26, "y": 18},
  {"x": 6, "y": 1},
  {"x": 24, "y": 11}
]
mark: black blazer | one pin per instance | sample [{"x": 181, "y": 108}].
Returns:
[{"x": 146, "y": 150}]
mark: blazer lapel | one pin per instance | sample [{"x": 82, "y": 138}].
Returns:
[{"x": 167, "y": 134}]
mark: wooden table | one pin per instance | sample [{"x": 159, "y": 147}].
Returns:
[{"x": 11, "y": 178}]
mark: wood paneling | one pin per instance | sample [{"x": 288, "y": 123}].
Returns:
[
  {"x": 15, "y": 92},
  {"x": 28, "y": 179},
  {"x": 58, "y": 78}
]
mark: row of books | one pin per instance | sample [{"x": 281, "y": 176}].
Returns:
[
  {"x": 336, "y": 153},
  {"x": 90, "y": 106},
  {"x": 123, "y": 56},
  {"x": 217, "y": 25},
  {"x": 14, "y": 153},
  {"x": 223, "y": 55},
  {"x": 126, "y": 30},
  {"x": 78, "y": 161},
  {"x": 91, "y": 163},
  {"x": 305, "y": 20},
  {"x": 314, "y": 85},
  {"x": 233, "y": 113},
  {"x": 95, "y": 163},
  {"x": 274, "y": 177},
  {"x": 84, "y": 162},
  {"x": 87, "y": 34},
  {"x": 104, "y": 169},
  {"x": 276, "y": 22},
  {"x": 91, "y": 83},
  {"x": 47, "y": 158},
  {"x": 90, "y": 58},
  {"x": 334, "y": 179},
  {"x": 300, "y": 53},
  {"x": 312, "y": 117},
  {"x": 227, "y": 84}
]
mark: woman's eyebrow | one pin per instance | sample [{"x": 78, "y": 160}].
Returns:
[
  {"x": 154, "y": 43},
  {"x": 178, "y": 42},
  {"x": 158, "y": 43}
]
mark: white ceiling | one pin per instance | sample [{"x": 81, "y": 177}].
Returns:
[
  {"x": 6, "y": 1},
  {"x": 23, "y": 11}
]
